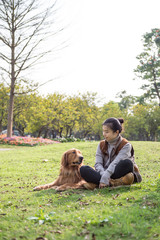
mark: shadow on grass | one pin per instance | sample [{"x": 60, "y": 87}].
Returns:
[{"x": 84, "y": 192}]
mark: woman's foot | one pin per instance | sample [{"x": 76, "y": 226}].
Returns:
[{"x": 128, "y": 179}]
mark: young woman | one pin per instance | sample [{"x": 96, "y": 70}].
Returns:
[{"x": 115, "y": 163}]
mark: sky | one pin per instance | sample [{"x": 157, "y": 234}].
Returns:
[{"x": 102, "y": 40}]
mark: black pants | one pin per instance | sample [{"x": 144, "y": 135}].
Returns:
[{"x": 122, "y": 168}]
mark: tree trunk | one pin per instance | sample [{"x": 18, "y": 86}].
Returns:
[
  {"x": 46, "y": 133},
  {"x": 0, "y": 126},
  {"x": 156, "y": 87},
  {"x": 10, "y": 114},
  {"x": 70, "y": 132},
  {"x": 60, "y": 132},
  {"x": 11, "y": 100},
  {"x": 67, "y": 130}
]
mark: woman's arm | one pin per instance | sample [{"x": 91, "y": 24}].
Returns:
[{"x": 124, "y": 153}]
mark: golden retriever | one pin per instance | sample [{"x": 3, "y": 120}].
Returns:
[{"x": 69, "y": 177}]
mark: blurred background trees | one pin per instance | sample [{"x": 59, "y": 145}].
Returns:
[{"x": 78, "y": 116}]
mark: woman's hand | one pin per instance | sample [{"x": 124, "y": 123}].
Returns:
[{"x": 103, "y": 185}]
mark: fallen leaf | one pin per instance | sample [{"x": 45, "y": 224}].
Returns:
[
  {"x": 41, "y": 238},
  {"x": 131, "y": 198},
  {"x": 156, "y": 235},
  {"x": 119, "y": 204},
  {"x": 45, "y": 160},
  {"x": 24, "y": 210},
  {"x": 83, "y": 203},
  {"x": 117, "y": 195},
  {"x": 59, "y": 232}
]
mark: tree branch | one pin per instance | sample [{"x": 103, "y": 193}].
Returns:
[
  {"x": 4, "y": 40},
  {"x": 5, "y": 58},
  {"x": 3, "y": 69},
  {"x": 8, "y": 19}
]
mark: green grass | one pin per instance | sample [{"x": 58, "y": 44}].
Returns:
[{"x": 123, "y": 213}]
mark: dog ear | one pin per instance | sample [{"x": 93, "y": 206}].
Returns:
[{"x": 64, "y": 160}]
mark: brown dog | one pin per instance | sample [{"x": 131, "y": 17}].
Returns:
[{"x": 69, "y": 176}]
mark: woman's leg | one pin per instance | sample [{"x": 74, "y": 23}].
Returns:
[
  {"x": 122, "y": 168},
  {"x": 90, "y": 175}
]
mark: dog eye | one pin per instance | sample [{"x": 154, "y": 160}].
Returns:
[{"x": 73, "y": 152}]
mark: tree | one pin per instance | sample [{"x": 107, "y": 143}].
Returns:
[
  {"x": 126, "y": 100},
  {"x": 88, "y": 114},
  {"x": 143, "y": 123},
  {"x": 38, "y": 115},
  {"x": 23, "y": 28},
  {"x": 137, "y": 128},
  {"x": 149, "y": 64},
  {"x": 55, "y": 113},
  {"x": 45, "y": 114},
  {"x": 153, "y": 122},
  {"x": 71, "y": 115},
  {"x": 22, "y": 111},
  {"x": 4, "y": 96},
  {"x": 111, "y": 109}
]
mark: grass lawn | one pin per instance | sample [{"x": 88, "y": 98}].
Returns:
[{"x": 103, "y": 214}]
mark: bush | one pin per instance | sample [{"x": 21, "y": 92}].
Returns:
[{"x": 70, "y": 139}]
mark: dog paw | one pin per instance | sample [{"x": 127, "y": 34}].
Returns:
[
  {"x": 53, "y": 187},
  {"x": 59, "y": 189},
  {"x": 36, "y": 189}
]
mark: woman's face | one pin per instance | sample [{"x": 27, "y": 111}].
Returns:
[{"x": 108, "y": 133}]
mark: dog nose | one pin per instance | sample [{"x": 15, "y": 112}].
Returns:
[{"x": 80, "y": 158}]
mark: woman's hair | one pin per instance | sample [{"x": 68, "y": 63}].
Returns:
[{"x": 114, "y": 123}]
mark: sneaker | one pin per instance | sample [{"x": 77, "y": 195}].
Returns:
[{"x": 128, "y": 179}]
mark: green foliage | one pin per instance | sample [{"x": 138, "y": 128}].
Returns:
[
  {"x": 143, "y": 123},
  {"x": 78, "y": 117},
  {"x": 23, "y": 111},
  {"x": 56, "y": 113},
  {"x": 71, "y": 139},
  {"x": 122, "y": 213},
  {"x": 111, "y": 109},
  {"x": 4, "y": 97},
  {"x": 149, "y": 64},
  {"x": 126, "y": 100}
]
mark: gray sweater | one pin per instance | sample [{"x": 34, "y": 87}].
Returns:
[{"x": 105, "y": 164}]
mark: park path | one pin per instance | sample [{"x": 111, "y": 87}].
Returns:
[{"x": 5, "y": 149}]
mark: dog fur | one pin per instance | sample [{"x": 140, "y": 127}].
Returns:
[{"x": 69, "y": 177}]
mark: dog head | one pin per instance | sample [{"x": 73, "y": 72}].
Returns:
[{"x": 72, "y": 158}]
